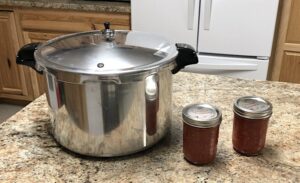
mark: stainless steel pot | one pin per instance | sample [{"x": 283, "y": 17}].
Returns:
[{"x": 109, "y": 91}]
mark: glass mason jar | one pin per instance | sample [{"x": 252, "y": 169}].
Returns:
[
  {"x": 200, "y": 133},
  {"x": 250, "y": 123}
]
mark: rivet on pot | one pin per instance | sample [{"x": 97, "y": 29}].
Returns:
[{"x": 100, "y": 65}]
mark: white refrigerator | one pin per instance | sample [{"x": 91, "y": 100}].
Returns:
[{"x": 232, "y": 37}]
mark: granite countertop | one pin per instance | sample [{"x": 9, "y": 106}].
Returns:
[
  {"x": 80, "y": 5},
  {"x": 29, "y": 153}
]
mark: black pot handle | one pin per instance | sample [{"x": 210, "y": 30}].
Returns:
[
  {"x": 25, "y": 56},
  {"x": 186, "y": 56}
]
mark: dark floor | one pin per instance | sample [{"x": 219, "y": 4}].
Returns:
[{"x": 7, "y": 110}]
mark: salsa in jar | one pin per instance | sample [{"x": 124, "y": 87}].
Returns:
[
  {"x": 250, "y": 124},
  {"x": 201, "y": 124}
]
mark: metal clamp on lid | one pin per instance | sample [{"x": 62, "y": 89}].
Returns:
[
  {"x": 108, "y": 33},
  {"x": 202, "y": 115},
  {"x": 252, "y": 107}
]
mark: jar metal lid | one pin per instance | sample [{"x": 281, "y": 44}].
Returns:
[
  {"x": 252, "y": 107},
  {"x": 201, "y": 115}
]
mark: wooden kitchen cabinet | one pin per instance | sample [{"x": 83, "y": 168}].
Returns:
[
  {"x": 38, "y": 80},
  {"x": 19, "y": 26},
  {"x": 69, "y": 21},
  {"x": 40, "y": 26},
  {"x": 286, "y": 64},
  {"x": 13, "y": 83},
  {"x": 290, "y": 69}
]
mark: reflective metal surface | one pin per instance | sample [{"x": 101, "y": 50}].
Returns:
[
  {"x": 90, "y": 53},
  {"x": 106, "y": 118},
  {"x": 253, "y": 107},
  {"x": 108, "y": 96},
  {"x": 109, "y": 91},
  {"x": 108, "y": 33},
  {"x": 201, "y": 115},
  {"x": 116, "y": 58}
]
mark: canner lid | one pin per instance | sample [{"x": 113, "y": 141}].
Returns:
[{"x": 93, "y": 53}]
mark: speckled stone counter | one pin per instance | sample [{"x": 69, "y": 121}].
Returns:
[
  {"x": 28, "y": 152},
  {"x": 80, "y": 5}
]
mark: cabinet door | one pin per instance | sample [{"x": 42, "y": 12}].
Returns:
[
  {"x": 290, "y": 67},
  {"x": 286, "y": 63},
  {"x": 12, "y": 78},
  {"x": 38, "y": 81}
]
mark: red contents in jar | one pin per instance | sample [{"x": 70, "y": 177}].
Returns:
[
  {"x": 200, "y": 144},
  {"x": 249, "y": 135}
]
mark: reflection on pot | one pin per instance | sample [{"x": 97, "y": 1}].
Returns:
[
  {"x": 152, "y": 103},
  {"x": 86, "y": 123}
]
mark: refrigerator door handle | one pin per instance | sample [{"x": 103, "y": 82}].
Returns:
[
  {"x": 228, "y": 66},
  {"x": 207, "y": 14},
  {"x": 191, "y": 12}
]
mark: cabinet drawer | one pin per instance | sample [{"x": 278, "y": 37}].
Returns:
[
  {"x": 60, "y": 21},
  {"x": 31, "y": 37}
]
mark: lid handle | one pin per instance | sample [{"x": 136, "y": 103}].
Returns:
[
  {"x": 186, "y": 56},
  {"x": 108, "y": 33},
  {"x": 106, "y": 25},
  {"x": 25, "y": 56}
]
